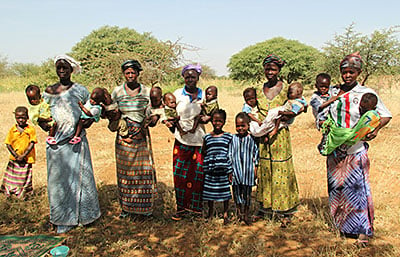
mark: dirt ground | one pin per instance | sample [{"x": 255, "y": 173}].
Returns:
[{"x": 311, "y": 234}]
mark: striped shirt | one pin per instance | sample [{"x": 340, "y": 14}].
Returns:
[
  {"x": 132, "y": 107},
  {"x": 346, "y": 113},
  {"x": 216, "y": 157},
  {"x": 243, "y": 153}
]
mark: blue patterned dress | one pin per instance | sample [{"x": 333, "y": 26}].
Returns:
[{"x": 217, "y": 166}]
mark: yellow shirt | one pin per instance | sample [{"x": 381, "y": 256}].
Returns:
[
  {"x": 42, "y": 110},
  {"x": 19, "y": 141}
]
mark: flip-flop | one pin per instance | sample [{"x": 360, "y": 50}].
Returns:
[
  {"x": 75, "y": 140},
  {"x": 51, "y": 140}
]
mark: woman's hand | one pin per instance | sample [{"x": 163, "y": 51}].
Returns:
[{"x": 371, "y": 135}]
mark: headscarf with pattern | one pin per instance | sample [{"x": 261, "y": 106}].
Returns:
[
  {"x": 76, "y": 67},
  {"x": 134, "y": 64},
  {"x": 352, "y": 61},
  {"x": 272, "y": 58}
]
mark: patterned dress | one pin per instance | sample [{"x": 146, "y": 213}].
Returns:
[
  {"x": 70, "y": 182},
  {"x": 350, "y": 198},
  {"x": 136, "y": 175},
  {"x": 217, "y": 166},
  {"x": 277, "y": 185}
]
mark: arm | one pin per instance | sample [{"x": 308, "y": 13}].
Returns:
[
  {"x": 384, "y": 121},
  {"x": 27, "y": 151},
  {"x": 12, "y": 151},
  {"x": 84, "y": 109},
  {"x": 331, "y": 100},
  {"x": 253, "y": 118}
]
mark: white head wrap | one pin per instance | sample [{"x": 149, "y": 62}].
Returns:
[{"x": 76, "y": 67}]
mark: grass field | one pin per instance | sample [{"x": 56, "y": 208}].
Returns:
[{"x": 311, "y": 234}]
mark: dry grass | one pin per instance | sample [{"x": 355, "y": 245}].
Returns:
[{"x": 311, "y": 234}]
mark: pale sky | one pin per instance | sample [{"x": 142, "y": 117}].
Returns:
[{"x": 32, "y": 30}]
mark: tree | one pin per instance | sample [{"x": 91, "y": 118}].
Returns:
[
  {"x": 380, "y": 52},
  {"x": 102, "y": 52},
  {"x": 301, "y": 60}
]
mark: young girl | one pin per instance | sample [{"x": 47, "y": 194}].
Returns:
[
  {"x": 216, "y": 165},
  {"x": 20, "y": 142},
  {"x": 243, "y": 154}
]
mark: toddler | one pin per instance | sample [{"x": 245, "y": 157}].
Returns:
[
  {"x": 292, "y": 107},
  {"x": 39, "y": 112},
  {"x": 217, "y": 166},
  {"x": 340, "y": 139},
  {"x": 20, "y": 142},
  {"x": 208, "y": 107},
  {"x": 250, "y": 106},
  {"x": 155, "y": 111},
  {"x": 243, "y": 154},
  {"x": 117, "y": 124},
  {"x": 170, "y": 112},
  {"x": 90, "y": 110}
]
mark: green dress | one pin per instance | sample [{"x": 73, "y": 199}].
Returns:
[{"x": 277, "y": 185}]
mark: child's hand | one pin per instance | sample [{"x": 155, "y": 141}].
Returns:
[{"x": 20, "y": 158}]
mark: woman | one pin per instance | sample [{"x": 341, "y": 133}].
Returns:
[
  {"x": 350, "y": 197},
  {"x": 277, "y": 190},
  {"x": 135, "y": 166},
  {"x": 187, "y": 155},
  {"x": 71, "y": 187}
]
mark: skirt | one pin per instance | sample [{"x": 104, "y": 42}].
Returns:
[{"x": 17, "y": 179}]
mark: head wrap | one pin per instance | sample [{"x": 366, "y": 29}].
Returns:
[
  {"x": 275, "y": 60},
  {"x": 76, "y": 67},
  {"x": 196, "y": 67},
  {"x": 352, "y": 61},
  {"x": 134, "y": 64}
]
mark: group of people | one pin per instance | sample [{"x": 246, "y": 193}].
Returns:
[{"x": 204, "y": 165}]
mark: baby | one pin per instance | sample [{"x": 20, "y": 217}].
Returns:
[
  {"x": 39, "y": 112},
  {"x": 250, "y": 106},
  {"x": 90, "y": 110},
  {"x": 117, "y": 124},
  {"x": 340, "y": 139},
  {"x": 319, "y": 97},
  {"x": 294, "y": 105},
  {"x": 170, "y": 111}
]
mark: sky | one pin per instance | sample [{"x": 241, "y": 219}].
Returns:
[{"x": 33, "y": 31}]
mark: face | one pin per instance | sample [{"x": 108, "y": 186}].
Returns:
[
  {"x": 33, "y": 97},
  {"x": 191, "y": 78},
  {"x": 63, "y": 69},
  {"x": 242, "y": 127},
  {"x": 271, "y": 71},
  {"x": 131, "y": 75},
  {"x": 156, "y": 98},
  {"x": 21, "y": 118},
  {"x": 211, "y": 94},
  {"x": 170, "y": 101},
  {"x": 322, "y": 85},
  {"x": 250, "y": 99},
  {"x": 218, "y": 122},
  {"x": 294, "y": 92},
  {"x": 349, "y": 75},
  {"x": 365, "y": 106}
]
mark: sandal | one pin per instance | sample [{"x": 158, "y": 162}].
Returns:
[
  {"x": 75, "y": 140},
  {"x": 362, "y": 241},
  {"x": 51, "y": 140}
]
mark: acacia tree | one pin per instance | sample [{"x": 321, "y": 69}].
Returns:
[
  {"x": 102, "y": 52},
  {"x": 301, "y": 60},
  {"x": 380, "y": 51}
]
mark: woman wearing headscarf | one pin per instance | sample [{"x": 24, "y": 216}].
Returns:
[
  {"x": 277, "y": 191},
  {"x": 349, "y": 190},
  {"x": 135, "y": 165},
  {"x": 70, "y": 182},
  {"x": 187, "y": 155}
]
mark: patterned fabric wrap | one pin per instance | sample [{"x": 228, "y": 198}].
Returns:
[
  {"x": 277, "y": 185},
  {"x": 338, "y": 136},
  {"x": 210, "y": 107},
  {"x": 195, "y": 67},
  {"x": 17, "y": 179},
  {"x": 350, "y": 196},
  {"x": 272, "y": 58},
  {"x": 217, "y": 166},
  {"x": 134, "y": 129},
  {"x": 352, "y": 61},
  {"x": 188, "y": 177},
  {"x": 136, "y": 175},
  {"x": 71, "y": 186}
]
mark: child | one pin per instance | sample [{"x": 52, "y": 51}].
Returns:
[
  {"x": 243, "y": 154},
  {"x": 208, "y": 107},
  {"x": 335, "y": 137},
  {"x": 293, "y": 106},
  {"x": 117, "y": 124},
  {"x": 216, "y": 165},
  {"x": 20, "y": 142},
  {"x": 91, "y": 110},
  {"x": 39, "y": 112},
  {"x": 250, "y": 106},
  {"x": 170, "y": 112},
  {"x": 322, "y": 83},
  {"x": 155, "y": 111}
]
